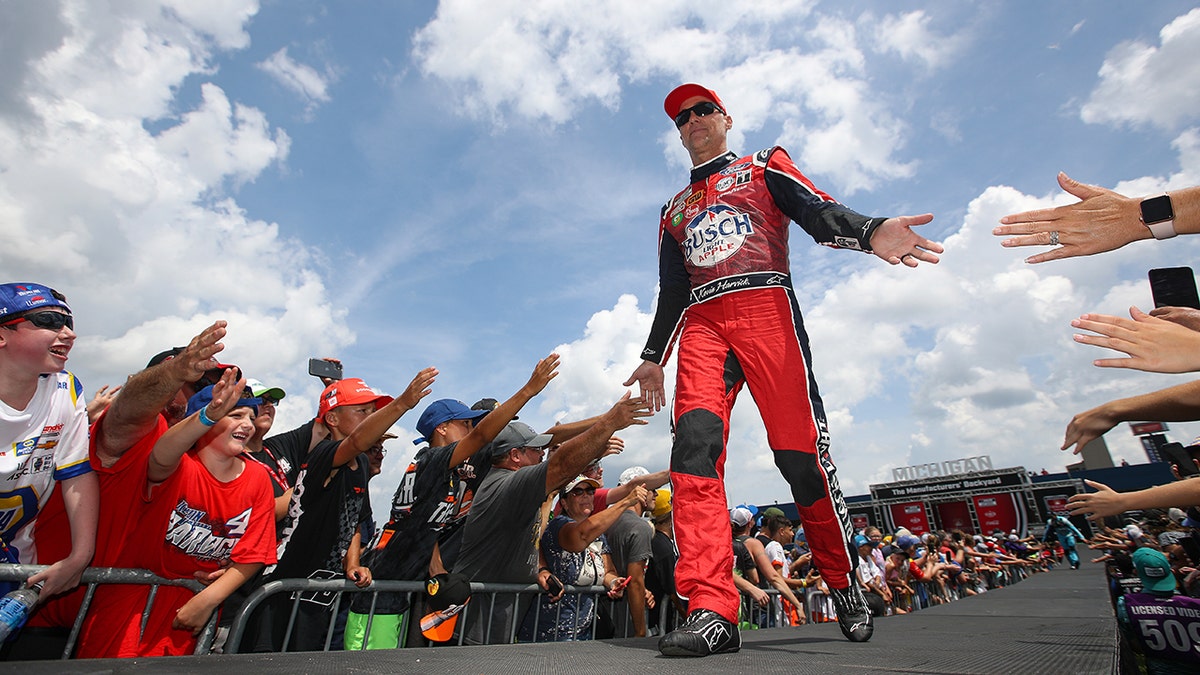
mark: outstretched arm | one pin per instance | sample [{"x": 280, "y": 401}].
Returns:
[
  {"x": 377, "y": 423},
  {"x": 1102, "y": 220},
  {"x": 1180, "y": 403},
  {"x": 576, "y": 536},
  {"x": 488, "y": 427},
  {"x": 135, "y": 412},
  {"x": 895, "y": 241},
  {"x": 652, "y": 481},
  {"x": 571, "y": 457},
  {"x": 1107, "y": 502},
  {"x": 769, "y": 573},
  {"x": 1153, "y": 345},
  {"x": 177, "y": 440}
]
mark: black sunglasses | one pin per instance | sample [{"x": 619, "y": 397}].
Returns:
[
  {"x": 702, "y": 109},
  {"x": 48, "y": 320}
]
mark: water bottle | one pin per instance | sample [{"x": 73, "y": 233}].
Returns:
[{"x": 15, "y": 608}]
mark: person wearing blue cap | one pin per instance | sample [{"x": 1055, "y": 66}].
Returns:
[
  {"x": 43, "y": 427},
  {"x": 425, "y": 508},
  {"x": 201, "y": 508}
]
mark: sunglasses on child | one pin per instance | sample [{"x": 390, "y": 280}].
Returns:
[
  {"x": 702, "y": 109},
  {"x": 48, "y": 320}
]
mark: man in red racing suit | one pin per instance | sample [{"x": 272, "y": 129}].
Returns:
[{"x": 726, "y": 295}]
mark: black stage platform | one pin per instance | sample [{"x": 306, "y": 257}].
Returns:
[{"x": 1058, "y": 622}]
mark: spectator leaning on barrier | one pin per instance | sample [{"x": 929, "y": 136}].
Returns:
[
  {"x": 660, "y": 577},
  {"x": 874, "y": 588},
  {"x": 326, "y": 505},
  {"x": 433, "y": 489},
  {"x": 43, "y": 435},
  {"x": 576, "y": 553},
  {"x": 121, "y": 439},
  {"x": 766, "y": 570},
  {"x": 500, "y": 535},
  {"x": 629, "y": 539},
  {"x": 202, "y": 508}
]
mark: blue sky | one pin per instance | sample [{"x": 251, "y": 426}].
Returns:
[{"x": 474, "y": 185}]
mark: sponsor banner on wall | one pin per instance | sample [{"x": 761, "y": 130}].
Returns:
[
  {"x": 999, "y": 480},
  {"x": 1052, "y": 501},
  {"x": 999, "y": 512},
  {"x": 954, "y": 516},
  {"x": 860, "y": 521},
  {"x": 910, "y": 515}
]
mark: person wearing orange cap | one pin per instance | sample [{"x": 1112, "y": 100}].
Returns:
[
  {"x": 725, "y": 293},
  {"x": 329, "y": 497}
]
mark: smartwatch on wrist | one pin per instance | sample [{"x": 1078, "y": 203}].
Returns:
[{"x": 1158, "y": 216}]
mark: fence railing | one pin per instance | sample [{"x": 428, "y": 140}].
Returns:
[
  {"x": 96, "y": 576},
  {"x": 817, "y": 606}
]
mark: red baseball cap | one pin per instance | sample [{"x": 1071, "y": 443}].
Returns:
[
  {"x": 683, "y": 92},
  {"x": 350, "y": 391}
]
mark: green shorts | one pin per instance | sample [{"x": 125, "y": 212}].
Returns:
[{"x": 387, "y": 631}]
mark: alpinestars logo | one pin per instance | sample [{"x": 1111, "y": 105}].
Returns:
[
  {"x": 196, "y": 534},
  {"x": 715, "y": 634}
]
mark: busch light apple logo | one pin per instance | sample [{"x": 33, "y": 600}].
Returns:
[{"x": 715, "y": 234}]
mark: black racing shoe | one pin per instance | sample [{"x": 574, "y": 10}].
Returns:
[
  {"x": 705, "y": 632},
  {"x": 853, "y": 614}
]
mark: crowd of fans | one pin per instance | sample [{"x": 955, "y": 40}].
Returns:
[
  {"x": 898, "y": 573},
  {"x": 179, "y": 472}
]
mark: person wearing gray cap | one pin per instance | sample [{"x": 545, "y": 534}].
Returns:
[{"x": 503, "y": 523}]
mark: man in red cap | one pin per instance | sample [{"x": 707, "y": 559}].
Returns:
[
  {"x": 326, "y": 506},
  {"x": 726, "y": 294}
]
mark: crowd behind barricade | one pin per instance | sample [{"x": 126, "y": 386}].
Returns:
[
  {"x": 1152, "y": 566},
  {"x": 264, "y": 540}
]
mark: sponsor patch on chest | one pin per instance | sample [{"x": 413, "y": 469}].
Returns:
[{"x": 715, "y": 234}]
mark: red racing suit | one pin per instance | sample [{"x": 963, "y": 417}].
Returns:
[{"x": 725, "y": 293}]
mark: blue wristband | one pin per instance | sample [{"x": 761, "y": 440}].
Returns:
[{"x": 204, "y": 418}]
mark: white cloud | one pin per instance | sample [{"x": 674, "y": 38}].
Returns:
[
  {"x": 126, "y": 206},
  {"x": 1142, "y": 84},
  {"x": 909, "y": 35},
  {"x": 545, "y": 59},
  {"x": 299, "y": 78}
]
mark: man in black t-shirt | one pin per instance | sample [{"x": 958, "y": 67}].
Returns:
[{"x": 326, "y": 505}]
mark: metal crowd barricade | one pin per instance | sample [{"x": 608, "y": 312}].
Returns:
[
  {"x": 817, "y": 605},
  {"x": 96, "y": 576},
  {"x": 480, "y": 593}
]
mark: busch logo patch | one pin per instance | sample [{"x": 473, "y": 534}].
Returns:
[{"x": 715, "y": 234}]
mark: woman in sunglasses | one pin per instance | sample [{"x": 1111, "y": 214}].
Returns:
[
  {"x": 43, "y": 437},
  {"x": 575, "y": 553}
]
